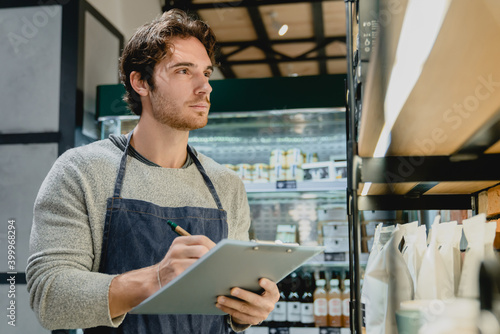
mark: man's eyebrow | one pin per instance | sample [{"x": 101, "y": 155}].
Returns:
[{"x": 187, "y": 64}]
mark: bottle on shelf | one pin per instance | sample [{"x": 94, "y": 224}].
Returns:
[
  {"x": 334, "y": 304},
  {"x": 320, "y": 304},
  {"x": 280, "y": 312},
  {"x": 306, "y": 301},
  {"x": 346, "y": 298},
  {"x": 293, "y": 301}
]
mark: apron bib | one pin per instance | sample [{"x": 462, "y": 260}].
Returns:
[{"x": 136, "y": 235}]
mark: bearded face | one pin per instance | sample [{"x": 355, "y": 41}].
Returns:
[
  {"x": 180, "y": 98},
  {"x": 185, "y": 116}
]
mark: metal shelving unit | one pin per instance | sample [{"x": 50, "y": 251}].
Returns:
[{"x": 426, "y": 161}]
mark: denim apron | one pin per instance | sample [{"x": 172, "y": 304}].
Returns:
[{"x": 136, "y": 235}]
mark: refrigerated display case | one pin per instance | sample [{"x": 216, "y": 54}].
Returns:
[{"x": 249, "y": 138}]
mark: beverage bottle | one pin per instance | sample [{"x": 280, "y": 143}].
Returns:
[
  {"x": 346, "y": 298},
  {"x": 334, "y": 304},
  {"x": 293, "y": 301},
  {"x": 320, "y": 304},
  {"x": 279, "y": 313},
  {"x": 306, "y": 302}
]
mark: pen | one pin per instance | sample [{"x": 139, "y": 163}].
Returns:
[{"x": 177, "y": 229}]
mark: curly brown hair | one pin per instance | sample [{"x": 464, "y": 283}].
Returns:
[{"x": 151, "y": 43}]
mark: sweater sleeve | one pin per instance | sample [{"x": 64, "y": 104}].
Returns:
[
  {"x": 240, "y": 216},
  {"x": 64, "y": 292}
]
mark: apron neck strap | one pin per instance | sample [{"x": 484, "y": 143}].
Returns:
[
  {"x": 207, "y": 180},
  {"x": 121, "y": 171},
  {"x": 123, "y": 164}
]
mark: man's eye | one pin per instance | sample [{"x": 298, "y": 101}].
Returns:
[
  {"x": 208, "y": 74},
  {"x": 183, "y": 71}
]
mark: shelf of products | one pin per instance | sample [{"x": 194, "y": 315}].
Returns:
[{"x": 423, "y": 115}]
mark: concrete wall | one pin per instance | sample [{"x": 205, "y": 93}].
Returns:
[
  {"x": 29, "y": 90},
  {"x": 128, "y": 15}
]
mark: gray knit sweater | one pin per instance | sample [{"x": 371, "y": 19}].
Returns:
[{"x": 65, "y": 247}]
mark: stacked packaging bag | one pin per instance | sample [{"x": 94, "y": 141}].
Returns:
[
  {"x": 480, "y": 236},
  {"x": 427, "y": 269},
  {"x": 415, "y": 238},
  {"x": 434, "y": 279},
  {"x": 387, "y": 281}
]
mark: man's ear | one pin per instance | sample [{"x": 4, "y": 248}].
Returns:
[{"x": 138, "y": 84}]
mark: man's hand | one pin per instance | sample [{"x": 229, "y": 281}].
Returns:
[
  {"x": 129, "y": 289},
  {"x": 183, "y": 252},
  {"x": 252, "y": 308}
]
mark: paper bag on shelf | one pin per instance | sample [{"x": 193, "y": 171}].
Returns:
[
  {"x": 414, "y": 249},
  {"x": 444, "y": 234},
  {"x": 434, "y": 281},
  {"x": 457, "y": 257},
  {"x": 387, "y": 283},
  {"x": 480, "y": 236}
]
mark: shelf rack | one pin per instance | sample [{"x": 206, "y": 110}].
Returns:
[{"x": 421, "y": 135}]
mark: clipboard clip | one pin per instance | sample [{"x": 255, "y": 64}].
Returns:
[{"x": 277, "y": 242}]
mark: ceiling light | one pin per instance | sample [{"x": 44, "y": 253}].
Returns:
[
  {"x": 278, "y": 26},
  {"x": 283, "y": 30}
]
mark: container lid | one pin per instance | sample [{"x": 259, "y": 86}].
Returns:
[{"x": 320, "y": 282}]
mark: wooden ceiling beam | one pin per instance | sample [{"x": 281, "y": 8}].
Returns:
[
  {"x": 317, "y": 12},
  {"x": 319, "y": 47},
  {"x": 327, "y": 40},
  {"x": 262, "y": 36},
  {"x": 277, "y": 61},
  {"x": 222, "y": 65},
  {"x": 231, "y": 4}
]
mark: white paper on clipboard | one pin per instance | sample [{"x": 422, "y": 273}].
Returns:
[{"x": 229, "y": 264}]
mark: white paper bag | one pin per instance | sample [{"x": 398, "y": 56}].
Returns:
[
  {"x": 457, "y": 257},
  {"x": 434, "y": 281},
  {"x": 376, "y": 247},
  {"x": 386, "y": 284},
  {"x": 480, "y": 236},
  {"x": 445, "y": 233},
  {"x": 414, "y": 249}
]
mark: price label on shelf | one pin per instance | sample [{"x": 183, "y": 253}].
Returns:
[{"x": 280, "y": 185}]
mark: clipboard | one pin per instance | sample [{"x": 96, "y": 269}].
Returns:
[{"x": 229, "y": 264}]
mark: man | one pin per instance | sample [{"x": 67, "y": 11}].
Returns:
[{"x": 100, "y": 244}]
